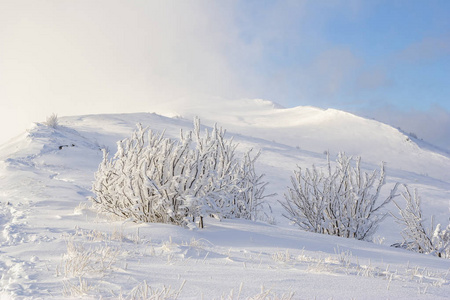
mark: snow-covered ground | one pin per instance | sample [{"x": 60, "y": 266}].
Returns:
[{"x": 53, "y": 245}]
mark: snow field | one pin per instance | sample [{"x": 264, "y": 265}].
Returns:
[{"x": 54, "y": 246}]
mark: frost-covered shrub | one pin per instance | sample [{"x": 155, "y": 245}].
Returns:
[
  {"x": 341, "y": 202},
  {"x": 156, "y": 179},
  {"x": 435, "y": 240},
  {"x": 52, "y": 121}
]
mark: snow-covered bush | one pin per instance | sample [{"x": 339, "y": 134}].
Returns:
[
  {"x": 341, "y": 202},
  {"x": 156, "y": 179},
  {"x": 52, "y": 121},
  {"x": 435, "y": 241}
]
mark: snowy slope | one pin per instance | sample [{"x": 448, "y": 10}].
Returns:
[
  {"x": 52, "y": 244},
  {"x": 318, "y": 130}
]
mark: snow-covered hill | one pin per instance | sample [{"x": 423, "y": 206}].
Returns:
[
  {"x": 53, "y": 244},
  {"x": 319, "y": 130}
]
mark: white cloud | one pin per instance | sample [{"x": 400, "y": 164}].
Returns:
[
  {"x": 105, "y": 51},
  {"x": 77, "y": 57}
]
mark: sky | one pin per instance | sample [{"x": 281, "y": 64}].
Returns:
[{"x": 387, "y": 60}]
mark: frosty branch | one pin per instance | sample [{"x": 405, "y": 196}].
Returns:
[{"x": 417, "y": 237}]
